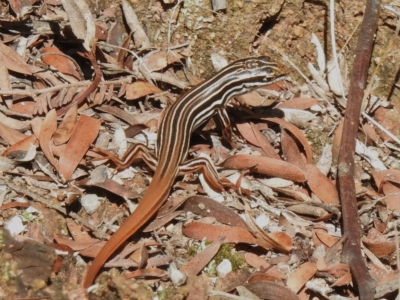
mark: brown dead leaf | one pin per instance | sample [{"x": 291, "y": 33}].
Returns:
[
  {"x": 291, "y": 151},
  {"x": 391, "y": 175},
  {"x": 77, "y": 233},
  {"x": 260, "y": 276},
  {"x": 14, "y": 205},
  {"x": 54, "y": 57},
  {"x": 246, "y": 131},
  {"x": 299, "y": 195},
  {"x": 140, "y": 256},
  {"x": 160, "y": 59},
  {"x": 378, "y": 243},
  {"x": 254, "y": 99},
  {"x": 139, "y": 89},
  {"x": 66, "y": 126},
  {"x": 22, "y": 145},
  {"x": 277, "y": 240},
  {"x": 321, "y": 185},
  {"x": 11, "y": 136},
  {"x": 310, "y": 210},
  {"x": 259, "y": 263},
  {"x": 74, "y": 245},
  {"x": 297, "y": 134},
  {"x": 148, "y": 272},
  {"x": 207, "y": 207},
  {"x": 393, "y": 200},
  {"x": 344, "y": 280},
  {"x": 266, "y": 166},
  {"x": 325, "y": 237},
  {"x": 337, "y": 270},
  {"x": 197, "y": 263},
  {"x": 388, "y": 118},
  {"x": 298, "y": 278},
  {"x": 49, "y": 126},
  {"x": 370, "y": 132},
  {"x": 199, "y": 289},
  {"x": 198, "y": 231},
  {"x": 271, "y": 291},
  {"x": 86, "y": 131},
  {"x": 298, "y": 103},
  {"x": 14, "y": 61},
  {"x": 172, "y": 204},
  {"x": 111, "y": 186},
  {"x": 161, "y": 221},
  {"x": 120, "y": 113},
  {"x": 383, "y": 181},
  {"x": 232, "y": 280},
  {"x": 337, "y": 138},
  {"x": 264, "y": 143},
  {"x": 25, "y": 107}
]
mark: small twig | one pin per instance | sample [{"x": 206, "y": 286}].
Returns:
[{"x": 346, "y": 170}]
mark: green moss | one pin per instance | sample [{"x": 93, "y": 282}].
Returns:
[
  {"x": 165, "y": 293},
  {"x": 227, "y": 251},
  {"x": 194, "y": 249}
]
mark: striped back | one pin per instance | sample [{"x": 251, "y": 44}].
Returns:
[{"x": 203, "y": 101}]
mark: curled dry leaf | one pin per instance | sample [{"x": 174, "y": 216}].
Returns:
[
  {"x": 277, "y": 240},
  {"x": 140, "y": 38},
  {"x": 198, "y": 231},
  {"x": 378, "y": 243},
  {"x": 86, "y": 131},
  {"x": 66, "y": 127},
  {"x": 11, "y": 136},
  {"x": 156, "y": 61},
  {"x": 161, "y": 221},
  {"x": 271, "y": 291},
  {"x": 139, "y": 89},
  {"x": 297, "y": 195},
  {"x": 247, "y": 132},
  {"x": 232, "y": 280},
  {"x": 291, "y": 151},
  {"x": 257, "y": 262},
  {"x": 254, "y": 99},
  {"x": 111, "y": 186},
  {"x": 298, "y": 103},
  {"x": 74, "y": 245},
  {"x": 200, "y": 288},
  {"x": 54, "y": 57},
  {"x": 81, "y": 21},
  {"x": 298, "y": 278},
  {"x": 49, "y": 126},
  {"x": 383, "y": 176},
  {"x": 148, "y": 272},
  {"x": 321, "y": 185},
  {"x": 308, "y": 210},
  {"x": 207, "y": 207},
  {"x": 324, "y": 237},
  {"x": 265, "y": 165},
  {"x": 14, "y": 61},
  {"x": 297, "y": 133},
  {"x": 196, "y": 264},
  {"x": 264, "y": 143},
  {"x": 337, "y": 138},
  {"x": 140, "y": 256},
  {"x": 388, "y": 118}
]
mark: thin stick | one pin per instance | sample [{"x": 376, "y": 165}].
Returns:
[{"x": 346, "y": 170}]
